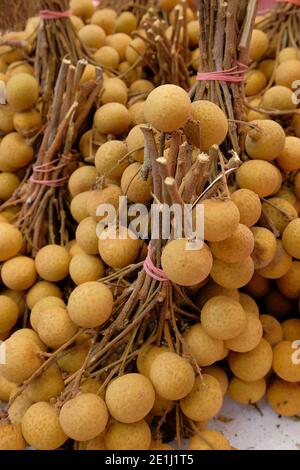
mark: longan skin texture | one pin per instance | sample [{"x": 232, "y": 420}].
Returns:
[
  {"x": 214, "y": 439},
  {"x": 260, "y": 176},
  {"x": 9, "y": 313},
  {"x": 85, "y": 268},
  {"x": 11, "y": 241},
  {"x": 43, "y": 305},
  {"x": 252, "y": 365},
  {"x": 146, "y": 356},
  {"x": 291, "y": 329},
  {"x": 112, "y": 118},
  {"x": 84, "y": 417},
  {"x": 267, "y": 142},
  {"x": 50, "y": 384},
  {"x": 134, "y": 436},
  {"x": 40, "y": 290},
  {"x": 247, "y": 392},
  {"x": 172, "y": 376},
  {"x": 117, "y": 252},
  {"x": 289, "y": 284},
  {"x": 41, "y": 428},
  {"x": 205, "y": 349},
  {"x": 236, "y": 248},
  {"x": 130, "y": 398},
  {"x": 291, "y": 238},
  {"x": 11, "y": 437},
  {"x": 134, "y": 187},
  {"x": 55, "y": 327},
  {"x": 223, "y": 318},
  {"x": 19, "y": 273},
  {"x": 52, "y": 263},
  {"x": 248, "y": 304},
  {"x": 233, "y": 275},
  {"x": 279, "y": 265},
  {"x": 212, "y": 122},
  {"x": 284, "y": 397},
  {"x": 249, "y": 337},
  {"x": 273, "y": 331},
  {"x": 280, "y": 211},
  {"x": 22, "y": 91},
  {"x": 221, "y": 219},
  {"x": 205, "y": 399},
  {"x": 107, "y": 159},
  {"x": 283, "y": 364}
]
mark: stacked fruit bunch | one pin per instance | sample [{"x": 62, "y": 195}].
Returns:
[{"x": 114, "y": 355}]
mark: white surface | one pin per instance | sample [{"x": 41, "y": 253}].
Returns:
[{"x": 248, "y": 430}]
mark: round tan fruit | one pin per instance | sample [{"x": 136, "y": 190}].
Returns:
[
  {"x": 134, "y": 186},
  {"x": 233, "y": 275},
  {"x": 204, "y": 401},
  {"x": 130, "y": 398},
  {"x": 109, "y": 159},
  {"x": 183, "y": 266},
  {"x": 291, "y": 238},
  {"x": 108, "y": 57},
  {"x": 114, "y": 90},
  {"x": 19, "y": 273},
  {"x": 248, "y": 304},
  {"x": 278, "y": 98},
  {"x": 41, "y": 306},
  {"x": 280, "y": 211},
  {"x": 212, "y": 122},
  {"x": 40, "y": 290},
  {"x": 249, "y": 337},
  {"x": 259, "y": 176},
  {"x": 41, "y": 428},
  {"x": 118, "y": 252},
  {"x": 8, "y": 184},
  {"x": 218, "y": 373},
  {"x": 82, "y": 8},
  {"x": 11, "y": 437},
  {"x": 266, "y": 141},
  {"x": 287, "y": 73},
  {"x": 22, "y": 359},
  {"x": 223, "y": 318},
  {"x": 90, "y": 304},
  {"x": 289, "y": 284},
  {"x": 221, "y": 219},
  {"x": 291, "y": 329},
  {"x": 84, "y": 417},
  {"x": 86, "y": 236},
  {"x": 133, "y": 436},
  {"x": 255, "y": 82},
  {"x": 146, "y": 357},
  {"x": 172, "y": 376},
  {"x": 235, "y": 248},
  {"x": 284, "y": 397},
  {"x": 83, "y": 179},
  {"x": 272, "y": 329},
  {"x": 85, "y": 268},
  {"x": 22, "y": 91},
  {"x": 285, "y": 365},
  {"x": 205, "y": 349},
  {"x": 78, "y": 206},
  {"x": 9, "y": 313},
  {"x": 264, "y": 247},
  {"x": 52, "y": 263},
  {"x": 279, "y": 265},
  {"x": 252, "y": 365},
  {"x": 11, "y": 241},
  {"x": 247, "y": 392},
  {"x": 167, "y": 108},
  {"x": 112, "y": 118},
  {"x": 55, "y": 327},
  {"x": 259, "y": 44},
  {"x": 106, "y": 18}
]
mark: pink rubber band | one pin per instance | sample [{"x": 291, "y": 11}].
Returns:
[
  {"x": 152, "y": 271},
  {"x": 96, "y": 3},
  {"x": 54, "y": 15},
  {"x": 235, "y": 74},
  {"x": 49, "y": 168},
  {"x": 295, "y": 2},
  {"x": 50, "y": 183}
]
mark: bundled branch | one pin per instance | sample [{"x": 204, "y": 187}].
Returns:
[
  {"x": 42, "y": 195},
  {"x": 15, "y": 14}
]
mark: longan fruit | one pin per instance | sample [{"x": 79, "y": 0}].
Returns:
[
  {"x": 221, "y": 219},
  {"x": 6, "y": 119},
  {"x": 106, "y": 18},
  {"x": 11, "y": 241},
  {"x": 278, "y": 98},
  {"x": 22, "y": 359},
  {"x": 89, "y": 74},
  {"x": 18, "y": 298},
  {"x": 291, "y": 238},
  {"x": 109, "y": 195},
  {"x": 295, "y": 123},
  {"x": 6, "y": 388},
  {"x": 280, "y": 211},
  {"x": 215, "y": 439},
  {"x": 82, "y": 179},
  {"x": 248, "y": 304},
  {"x": 235, "y": 248},
  {"x": 78, "y": 206},
  {"x": 291, "y": 329},
  {"x": 40, "y": 290},
  {"x": 135, "y": 143},
  {"x": 86, "y": 236},
  {"x": 135, "y": 51},
  {"x": 259, "y": 176},
  {"x": 146, "y": 356},
  {"x": 197, "y": 443},
  {"x": 272, "y": 329},
  {"x": 93, "y": 444},
  {"x": 114, "y": 91},
  {"x": 211, "y": 289},
  {"x": 77, "y": 22},
  {"x": 90, "y": 304},
  {"x": 213, "y": 124},
  {"x": 22, "y": 92},
  {"x": 92, "y": 36},
  {"x": 19, "y": 407},
  {"x": 233, "y": 275},
  {"x": 137, "y": 113},
  {"x": 49, "y": 385},
  {"x": 255, "y": 82},
  {"x": 204, "y": 401},
  {"x": 223, "y": 318},
  {"x": 92, "y": 386},
  {"x": 141, "y": 86},
  {"x": 16, "y": 150},
  {"x": 107, "y": 56},
  {"x": 284, "y": 397},
  {"x": 193, "y": 31},
  {"x": 134, "y": 186},
  {"x": 41, "y": 427},
  {"x": 19, "y": 273},
  {"x": 205, "y": 349},
  {"x": 172, "y": 376},
  {"x": 132, "y": 436},
  {"x": 278, "y": 304},
  {"x": 167, "y": 108},
  {"x": 195, "y": 59},
  {"x": 283, "y": 364},
  {"x": 85, "y": 268},
  {"x": 89, "y": 143},
  {"x": 267, "y": 66},
  {"x": 249, "y": 337},
  {"x": 55, "y": 327},
  {"x": 264, "y": 247},
  {"x": 41, "y": 306},
  {"x": 112, "y": 118},
  {"x": 287, "y": 73},
  {"x": 108, "y": 156},
  {"x": 287, "y": 193},
  {"x": 82, "y": 8},
  {"x": 266, "y": 141},
  {"x": 119, "y": 41},
  {"x": 252, "y": 365},
  {"x": 289, "y": 284},
  {"x": 288, "y": 53},
  {"x": 167, "y": 5},
  {"x": 279, "y": 265},
  {"x": 130, "y": 398},
  {"x": 29, "y": 334},
  {"x": 117, "y": 252},
  {"x": 219, "y": 373},
  {"x": 126, "y": 22},
  {"x": 74, "y": 248},
  {"x": 253, "y": 115},
  {"x": 84, "y": 417},
  {"x": 52, "y": 263},
  {"x": 9, "y": 313},
  {"x": 183, "y": 266},
  {"x": 9, "y": 182},
  {"x": 28, "y": 123},
  {"x": 161, "y": 405},
  {"x": 258, "y": 286},
  {"x": 11, "y": 437},
  {"x": 247, "y": 393},
  {"x": 259, "y": 44},
  {"x": 74, "y": 358}
]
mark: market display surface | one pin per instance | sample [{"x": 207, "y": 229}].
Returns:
[{"x": 149, "y": 225}]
